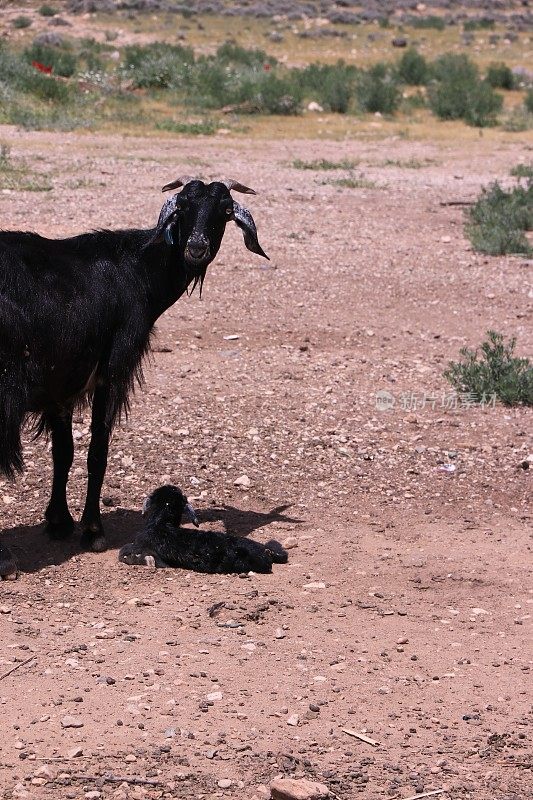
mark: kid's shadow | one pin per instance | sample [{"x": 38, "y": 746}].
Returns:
[{"x": 34, "y": 550}]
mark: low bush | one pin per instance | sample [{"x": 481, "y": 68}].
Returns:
[
  {"x": 458, "y": 92},
  {"x": 431, "y": 21},
  {"x": 63, "y": 62},
  {"x": 21, "y": 22},
  {"x": 377, "y": 92},
  {"x": 413, "y": 68},
  {"x": 325, "y": 164},
  {"x": 528, "y": 101},
  {"x": 500, "y": 76},
  {"x": 522, "y": 171},
  {"x": 157, "y": 65},
  {"x": 481, "y": 23},
  {"x": 331, "y": 85},
  {"x": 497, "y": 221},
  {"x": 495, "y": 372},
  {"x": 47, "y": 11}
]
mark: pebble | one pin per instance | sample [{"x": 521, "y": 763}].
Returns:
[
  {"x": 290, "y": 543},
  {"x": 75, "y": 752},
  {"x": 71, "y": 722},
  {"x": 293, "y": 789},
  {"x": 224, "y": 783},
  {"x": 293, "y": 720},
  {"x": 243, "y": 481}
]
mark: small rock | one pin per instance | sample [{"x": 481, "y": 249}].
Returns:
[
  {"x": 75, "y": 752},
  {"x": 293, "y": 720},
  {"x": 293, "y": 789},
  {"x": 243, "y": 481},
  {"x": 314, "y": 106},
  {"x": 71, "y": 722},
  {"x": 224, "y": 783},
  {"x": 315, "y": 585},
  {"x": 290, "y": 543}
]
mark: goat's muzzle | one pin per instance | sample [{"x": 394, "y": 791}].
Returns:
[{"x": 197, "y": 252}]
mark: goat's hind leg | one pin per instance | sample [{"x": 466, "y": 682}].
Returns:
[
  {"x": 8, "y": 565},
  {"x": 93, "y": 536},
  {"x": 59, "y": 522}
]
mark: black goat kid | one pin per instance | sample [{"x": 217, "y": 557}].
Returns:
[
  {"x": 75, "y": 322},
  {"x": 163, "y": 543}
]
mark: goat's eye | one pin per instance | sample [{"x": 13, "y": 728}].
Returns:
[{"x": 229, "y": 211}]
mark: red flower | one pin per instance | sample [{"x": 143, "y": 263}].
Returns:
[
  {"x": 267, "y": 67},
  {"x": 42, "y": 67}
]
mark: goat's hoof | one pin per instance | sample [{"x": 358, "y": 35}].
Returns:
[
  {"x": 60, "y": 529},
  {"x": 8, "y": 567},
  {"x": 94, "y": 540},
  {"x": 129, "y": 554}
]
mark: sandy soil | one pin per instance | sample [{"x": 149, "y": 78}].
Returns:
[{"x": 405, "y": 607}]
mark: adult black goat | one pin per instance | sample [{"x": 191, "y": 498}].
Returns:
[{"x": 75, "y": 322}]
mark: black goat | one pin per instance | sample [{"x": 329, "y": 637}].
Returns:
[
  {"x": 163, "y": 543},
  {"x": 75, "y": 322}
]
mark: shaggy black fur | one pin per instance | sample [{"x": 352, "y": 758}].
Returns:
[
  {"x": 163, "y": 543},
  {"x": 75, "y": 322}
]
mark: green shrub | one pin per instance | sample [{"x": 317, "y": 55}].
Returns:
[
  {"x": 496, "y": 371},
  {"x": 269, "y": 94},
  {"x": 431, "y": 21},
  {"x": 458, "y": 92},
  {"x": 528, "y": 101},
  {"x": 325, "y": 164},
  {"x": 157, "y": 65},
  {"x": 376, "y": 92},
  {"x": 331, "y": 85},
  {"x": 204, "y": 128},
  {"x": 63, "y": 62},
  {"x": 522, "y": 171},
  {"x": 518, "y": 119},
  {"x": 497, "y": 221},
  {"x": 47, "y": 11},
  {"x": 483, "y": 23},
  {"x": 413, "y": 68},
  {"x": 22, "y": 22},
  {"x": 500, "y": 76},
  {"x": 230, "y": 53},
  {"x": 454, "y": 67}
]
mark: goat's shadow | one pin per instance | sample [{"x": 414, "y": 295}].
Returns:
[{"x": 34, "y": 550}]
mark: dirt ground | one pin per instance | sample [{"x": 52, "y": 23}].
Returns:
[{"x": 404, "y": 610}]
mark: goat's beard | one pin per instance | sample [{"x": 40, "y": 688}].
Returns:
[{"x": 195, "y": 280}]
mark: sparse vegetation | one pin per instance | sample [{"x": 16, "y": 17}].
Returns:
[
  {"x": 21, "y": 22},
  {"x": 354, "y": 182},
  {"x": 203, "y": 128},
  {"x": 522, "y": 171},
  {"x": 324, "y": 164},
  {"x": 498, "y": 220},
  {"x": 528, "y": 101},
  {"x": 431, "y": 21},
  {"x": 495, "y": 371},
  {"x": 16, "y": 176}
]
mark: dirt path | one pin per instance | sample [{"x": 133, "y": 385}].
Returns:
[{"x": 404, "y": 611}]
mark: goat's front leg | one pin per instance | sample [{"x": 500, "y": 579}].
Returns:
[
  {"x": 59, "y": 522},
  {"x": 93, "y": 537}
]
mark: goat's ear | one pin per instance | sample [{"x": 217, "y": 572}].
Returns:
[
  {"x": 246, "y": 223},
  {"x": 168, "y": 215}
]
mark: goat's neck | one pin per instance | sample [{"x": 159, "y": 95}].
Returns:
[{"x": 166, "y": 276}]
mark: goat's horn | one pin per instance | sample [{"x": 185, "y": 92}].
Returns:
[
  {"x": 238, "y": 187},
  {"x": 178, "y": 182}
]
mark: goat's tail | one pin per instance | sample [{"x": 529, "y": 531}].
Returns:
[{"x": 278, "y": 553}]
